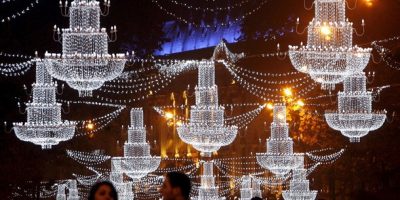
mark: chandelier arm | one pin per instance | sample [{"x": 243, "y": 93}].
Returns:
[
  {"x": 26, "y": 90},
  {"x": 19, "y": 109},
  {"x": 106, "y": 10},
  {"x": 363, "y": 29},
  {"x": 57, "y": 35},
  {"x": 391, "y": 120},
  {"x": 370, "y": 80},
  {"x": 7, "y": 130},
  {"x": 297, "y": 27},
  {"x": 68, "y": 109},
  {"x": 374, "y": 59},
  {"x": 64, "y": 8},
  {"x": 308, "y": 8},
  {"x": 351, "y": 8},
  {"x": 377, "y": 97},
  {"x": 60, "y": 92}
]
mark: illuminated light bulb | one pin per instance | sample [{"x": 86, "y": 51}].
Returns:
[
  {"x": 270, "y": 106},
  {"x": 300, "y": 103},
  {"x": 90, "y": 126},
  {"x": 326, "y": 30},
  {"x": 288, "y": 92},
  {"x": 168, "y": 115},
  {"x": 179, "y": 123}
]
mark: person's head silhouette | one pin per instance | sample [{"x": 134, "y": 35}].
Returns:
[{"x": 176, "y": 186}]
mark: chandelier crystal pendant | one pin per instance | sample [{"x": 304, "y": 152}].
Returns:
[
  {"x": 44, "y": 126},
  {"x": 207, "y": 188},
  {"x": 354, "y": 117},
  {"x": 250, "y": 188},
  {"x": 299, "y": 186},
  {"x": 206, "y": 130},
  {"x": 329, "y": 55},
  {"x": 279, "y": 158},
  {"x": 85, "y": 63},
  {"x": 137, "y": 161}
]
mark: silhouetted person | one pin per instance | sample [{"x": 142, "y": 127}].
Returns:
[
  {"x": 176, "y": 186},
  {"x": 103, "y": 191},
  {"x": 256, "y": 198}
]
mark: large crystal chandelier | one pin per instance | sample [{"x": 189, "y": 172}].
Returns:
[
  {"x": 206, "y": 130},
  {"x": 207, "y": 189},
  {"x": 279, "y": 158},
  {"x": 299, "y": 186},
  {"x": 329, "y": 55},
  {"x": 250, "y": 188},
  {"x": 44, "y": 126},
  {"x": 137, "y": 161},
  {"x": 354, "y": 117},
  {"x": 85, "y": 63}
]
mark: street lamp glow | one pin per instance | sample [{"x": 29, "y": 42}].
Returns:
[
  {"x": 168, "y": 115},
  {"x": 288, "y": 92}
]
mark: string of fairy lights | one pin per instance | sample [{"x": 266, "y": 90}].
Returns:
[{"x": 20, "y": 12}]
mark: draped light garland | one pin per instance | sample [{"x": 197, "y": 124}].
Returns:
[
  {"x": 84, "y": 63},
  {"x": 279, "y": 158},
  {"x": 217, "y": 24},
  {"x": 44, "y": 126},
  {"x": 385, "y": 53},
  {"x": 229, "y": 7},
  {"x": 93, "y": 158},
  {"x": 354, "y": 117},
  {"x": 329, "y": 55},
  {"x": 137, "y": 161},
  {"x": 19, "y": 13},
  {"x": 207, "y": 130}
]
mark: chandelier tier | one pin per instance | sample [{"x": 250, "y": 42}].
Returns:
[
  {"x": 299, "y": 186},
  {"x": 206, "y": 130},
  {"x": 137, "y": 161},
  {"x": 250, "y": 188},
  {"x": 329, "y": 55},
  {"x": 85, "y": 63},
  {"x": 279, "y": 158},
  {"x": 44, "y": 126},
  {"x": 354, "y": 117},
  {"x": 207, "y": 188}
]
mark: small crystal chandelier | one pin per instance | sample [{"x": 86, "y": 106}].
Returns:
[
  {"x": 354, "y": 117},
  {"x": 85, "y": 63},
  {"x": 72, "y": 187},
  {"x": 207, "y": 189},
  {"x": 329, "y": 55},
  {"x": 279, "y": 158},
  {"x": 44, "y": 126},
  {"x": 124, "y": 188},
  {"x": 299, "y": 186},
  {"x": 73, "y": 191},
  {"x": 137, "y": 161},
  {"x": 250, "y": 188},
  {"x": 206, "y": 130}
]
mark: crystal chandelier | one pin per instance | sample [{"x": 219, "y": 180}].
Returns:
[
  {"x": 73, "y": 190},
  {"x": 44, "y": 126},
  {"x": 137, "y": 161},
  {"x": 124, "y": 188},
  {"x": 206, "y": 130},
  {"x": 207, "y": 188},
  {"x": 329, "y": 55},
  {"x": 61, "y": 192},
  {"x": 354, "y": 117},
  {"x": 85, "y": 63},
  {"x": 250, "y": 188},
  {"x": 279, "y": 158},
  {"x": 299, "y": 186}
]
